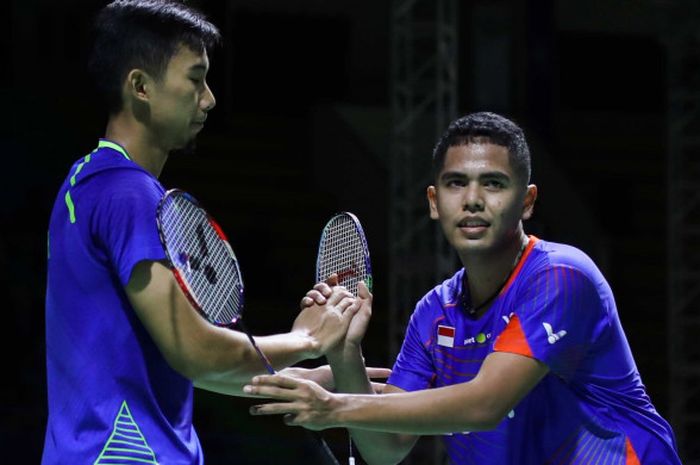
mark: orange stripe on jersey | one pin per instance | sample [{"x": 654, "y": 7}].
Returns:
[
  {"x": 512, "y": 339},
  {"x": 631, "y": 455},
  {"x": 530, "y": 245}
]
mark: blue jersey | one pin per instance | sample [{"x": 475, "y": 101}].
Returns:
[
  {"x": 112, "y": 396},
  {"x": 591, "y": 408}
]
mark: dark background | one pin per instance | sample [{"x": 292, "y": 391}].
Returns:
[{"x": 299, "y": 84}]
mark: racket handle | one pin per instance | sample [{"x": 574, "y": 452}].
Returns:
[{"x": 329, "y": 457}]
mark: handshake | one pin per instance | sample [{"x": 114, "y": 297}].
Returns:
[{"x": 333, "y": 319}]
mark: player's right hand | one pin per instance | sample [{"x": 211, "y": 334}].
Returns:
[
  {"x": 358, "y": 326},
  {"x": 327, "y": 324}
]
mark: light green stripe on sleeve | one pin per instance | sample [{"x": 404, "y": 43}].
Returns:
[
  {"x": 80, "y": 167},
  {"x": 71, "y": 207}
]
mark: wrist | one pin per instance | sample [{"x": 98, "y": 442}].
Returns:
[
  {"x": 345, "y": 353},
  {"x": 310, "y": 346},
  {"x": 338, "y": 412}
]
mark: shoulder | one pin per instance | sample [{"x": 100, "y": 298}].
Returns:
[
  {"x": 109, "y": 177},
  {"x": 555, "y": 271},
  {"x": 442, "y": 296},
  {"x": 548, "y": 256}
]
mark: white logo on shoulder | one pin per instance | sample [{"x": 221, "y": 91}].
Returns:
[
  {"x": 507, "y": 318},
  {"x": 553, "y": 336}
]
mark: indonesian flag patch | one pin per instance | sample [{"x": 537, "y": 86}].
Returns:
[{"x": 446, "y": 336}]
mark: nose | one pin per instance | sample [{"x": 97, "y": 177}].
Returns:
[
  {"x": 208, "y": 101},
  {"x": 473, "y": 200}
]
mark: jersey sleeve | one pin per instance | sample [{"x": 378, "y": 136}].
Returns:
[
  {"x": 413, "y": 369},
  {"x": 558, "y": 316},
  {"x": 125, "y": 220}
]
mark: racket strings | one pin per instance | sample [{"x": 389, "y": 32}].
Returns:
[
  {"x": 342, "y": 252},
  {"x": 204, "y": 260}
]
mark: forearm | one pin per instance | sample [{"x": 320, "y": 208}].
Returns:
[
  {"x": 208, "y": 355},
  {"x": 462, "y": 407},
  {"x": 349, "y": 372},
  {"x": 229, "y": 359},
  {"x": 376, "y": 447}
]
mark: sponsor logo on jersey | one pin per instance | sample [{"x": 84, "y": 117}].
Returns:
[
  {"x": 553, "y": 336},
  {"x": 478, "y": 339}
]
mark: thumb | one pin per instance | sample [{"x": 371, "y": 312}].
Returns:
[
  {"x": 363, "y": 291},
  {"x": 332, "y": 280}
]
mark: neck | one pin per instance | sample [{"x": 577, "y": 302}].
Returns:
[
  {"x": 488, "y": 273},
  {"x": 140, "y": 144}
]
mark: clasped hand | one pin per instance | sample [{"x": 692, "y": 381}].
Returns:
[{"x": 327, "y": 323}]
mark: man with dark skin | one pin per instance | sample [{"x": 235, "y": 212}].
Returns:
[{"x": 519, "y": 358}]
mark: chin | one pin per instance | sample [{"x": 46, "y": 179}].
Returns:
[
  {"x": 470, "y": 246},
  {"x": 188, "y": 148}
]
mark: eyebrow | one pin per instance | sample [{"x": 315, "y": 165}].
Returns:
[{"x": 487, "y": 175}]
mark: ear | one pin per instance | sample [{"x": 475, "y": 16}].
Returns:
[
  {"x": 432, "y": 202},
  {"x": 138, "y": 85},
  {"x": 529, "y": 202}
]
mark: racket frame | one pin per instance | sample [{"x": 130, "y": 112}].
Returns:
[
  {"x": 363, "y": 239},
  {"x": 184, "y": 285}
]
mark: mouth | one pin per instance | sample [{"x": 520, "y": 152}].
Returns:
[
  {"x": 473, "y": 225},
  {"x": 473, "y": 222}
]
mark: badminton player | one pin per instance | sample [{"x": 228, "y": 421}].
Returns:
[
  {"x": 124, "y": 346},
  {"x": 519, "y": 358}
]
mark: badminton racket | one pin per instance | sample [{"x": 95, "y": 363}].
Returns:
[{"x": 343, "y": 251}]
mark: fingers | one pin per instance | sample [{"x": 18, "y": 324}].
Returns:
[
  {"x": 318, "y": 295},
  {"x": 374, "y": 372},
  {"x": 378, "y": 388},
  {"x": 278, "y": 380},
  {"x": 324, "y": 288},
  {"x": 339, "y": 293},
  {"x": 332, "y": 280},
  {"x": 274, "y": 409},
  {"x": 312, "y": 297}
]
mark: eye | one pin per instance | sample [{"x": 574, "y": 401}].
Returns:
[
  {"x": 455, "y": 183},
  {"x": 494, "y": 184},
  {"x": 197, "y": 81}
]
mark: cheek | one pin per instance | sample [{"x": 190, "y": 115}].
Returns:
[{"x": 507, "y": 209}]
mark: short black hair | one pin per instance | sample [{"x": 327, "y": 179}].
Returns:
[
  {"x": 143, "y": 34},
  {"x": 497, "y": 129}
]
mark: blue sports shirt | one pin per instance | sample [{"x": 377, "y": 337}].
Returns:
[
  {"x": 112, "y": 396},
  {"x": 591, "y": 407}
]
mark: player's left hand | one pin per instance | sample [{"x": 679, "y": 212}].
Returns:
[{"x": 304, "y": 403}]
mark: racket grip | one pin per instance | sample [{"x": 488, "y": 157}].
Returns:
[{"x": 329, "y": 458}]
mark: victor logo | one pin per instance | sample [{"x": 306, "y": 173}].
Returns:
[{"x": 553, "y": 336}]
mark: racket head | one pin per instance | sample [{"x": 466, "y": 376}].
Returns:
[
  {"x": 343, "y": 250},
  {"x": 200, "y": 257}
]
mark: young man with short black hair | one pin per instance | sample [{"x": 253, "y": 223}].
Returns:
[
  {"x": 124, "y": 346},
  {"x": 519, "y": 358}
]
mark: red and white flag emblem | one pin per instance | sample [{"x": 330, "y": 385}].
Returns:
[{"x": 446, "y": 336}]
